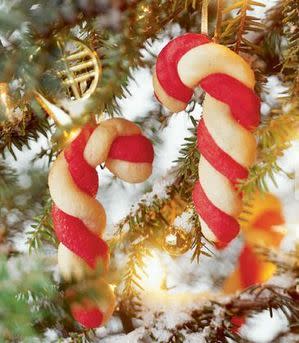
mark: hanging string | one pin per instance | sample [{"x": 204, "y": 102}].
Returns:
[
  {"x": 217, "y": 33},
  {"x": 204, "y": 17}
]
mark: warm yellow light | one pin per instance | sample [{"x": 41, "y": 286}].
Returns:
[
  {"x": 69, "y": 136},
  {"x": 153, "y": 274},
  {"x": 171, "y": 239},
  {"x": 56, "y": 113},
  {"x": 6, "y": 100}
]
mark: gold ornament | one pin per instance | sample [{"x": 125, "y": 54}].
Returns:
[
  {"x": 82, "y": 69},
  {"x": 80, "y": 74},
  {"x": 176, "y": 240}
]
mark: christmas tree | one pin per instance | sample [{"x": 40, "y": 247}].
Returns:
[{"x": 148, "y": 172}]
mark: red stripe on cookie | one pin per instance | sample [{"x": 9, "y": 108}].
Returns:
[
  {"x": 134, "y": 148},
  {"x": 243, "y": 102},
  {"x": 84, "y": 176},
  {"x": 72, "y": 233},
  {"x": 219, "y": 159},
  {"x": 222, "y": 225},
  {"x": 249, "y": 267},
  {"x": 90, "y": 317},
  {"x": 168, "y": 59}
]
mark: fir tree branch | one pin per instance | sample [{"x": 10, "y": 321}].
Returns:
[
  {"x": 17, "y": 314},
  {"x": 217, "y": 32},
  {"x": 217, "y": 316},
  {"x": 8, "y": 180},
  {"x": 19, "y": 132},
  {"x": 22, "y": 201},
  {"x": 235, "y": 28},
  {"x": 31, "y": 58},
  {"x": 290, "y": 67},
  {"x": 42, "y": 230},
  {"x": 131, "y": 286},
  {"x": 274, "y": 136}
]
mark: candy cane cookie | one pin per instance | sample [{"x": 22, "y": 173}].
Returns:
[
  {"x": 79, "y": 219},
  {"x": 231, "y": 111}
]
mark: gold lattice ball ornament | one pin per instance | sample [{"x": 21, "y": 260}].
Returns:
[
  {"x": 80, "y": 69},
  {"x": 176, "y": 240}
]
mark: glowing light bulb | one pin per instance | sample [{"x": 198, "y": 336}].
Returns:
[{"x": 153, "y": 274}]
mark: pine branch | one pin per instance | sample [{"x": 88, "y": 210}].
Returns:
[
  {"x": 235, "y": 28},
  {"x": 271, "y": 39},
  {"x": 274, "y": 136},
  {"x": 145, "y": 226},
  {"x": 42, "y": 230},
  {"x": 130, "y": 297},
  {"x": 281, "y": 127},
  {"x": 30, "y": 58},
  {"x": 17, "y": 314},
  {"x": 217, "y": 316},
  {"x": 188, "y": 162},
  {"x": 8, "y": 180},
  {"x": 286, "y": 262},
  {"x": 22, "y": 201},
  {"x": 19, "y": 132},
  {"x": 290, "y": 67}
]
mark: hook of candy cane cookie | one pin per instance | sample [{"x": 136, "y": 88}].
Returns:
[
  {"x": 79, "y": 219},
  {"x": 125, "y": 151},
  {"x": 224, "y": 137}
]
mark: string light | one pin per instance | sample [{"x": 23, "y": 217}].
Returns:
[
  {"x": 144, "y": 10},
  {"x": 153, "y": 273}
]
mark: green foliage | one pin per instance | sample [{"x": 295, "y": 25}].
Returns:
[
  {"x": 236, "y": 26},
  {"x": 290, "y": 67},
  {"x": 145, "y": 226},
  {"x": 131, "y": 279},
  {"x": 274, "y": 136},
  {"x": 8, "y": 180},
  {"x": 187, "y": 162},
  {"x": 42, "y": 230},
  {"x": 17, "y": 316},
  {"x": 121, "y": 42},
  {"x": 19, "y": 132},
  {"x": 34, "y": 53},
  {"x": 253, "y": 300},
  {"x": 281, "y": 126},
  {"x": 22, "y": 201}
]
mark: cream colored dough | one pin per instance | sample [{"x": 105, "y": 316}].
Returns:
[
  {"x": 71, "y": 200},
  {"x": 206, "y": 231},
  {"x": 72, "y": 266},
  {"x": 129, "y": 171},
  {"x": 99, "y": 143},
  {"x": 228, "y": 134},
  {"x": 212, "y": 58},
  {"x": 218, "y": 189},
  {"x": 171, "y": 103}
]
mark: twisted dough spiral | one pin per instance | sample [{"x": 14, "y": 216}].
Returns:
[
  {"x": 79, "y": 219},
  {"x": 224, "y": 137}
]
